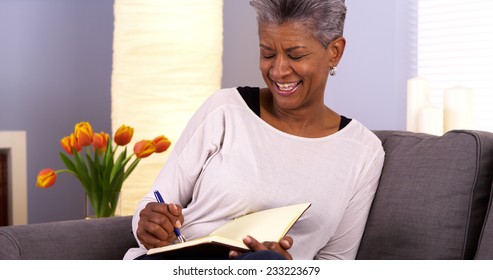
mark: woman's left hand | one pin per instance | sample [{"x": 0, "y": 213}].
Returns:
[{"x": 280, "y": 247}]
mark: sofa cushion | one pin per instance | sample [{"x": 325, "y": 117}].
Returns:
[
  {"x": 103, "y": 238},
  {"x": 432, "y": 197},
  {"x": 485, "y": 249}
]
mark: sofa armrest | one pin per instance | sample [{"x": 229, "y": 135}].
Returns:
[{"x": 102, "y": 238}]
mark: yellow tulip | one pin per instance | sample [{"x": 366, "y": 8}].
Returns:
[
  {"x": 75, "y": 143},
  {"x": 66, "y": 144},
  {"x": 83, "y": 133}
]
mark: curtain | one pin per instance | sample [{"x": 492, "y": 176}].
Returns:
[{"x": 455, "y": 48}]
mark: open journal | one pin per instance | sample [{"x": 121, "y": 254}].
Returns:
[{"x": 266, "y": 225}]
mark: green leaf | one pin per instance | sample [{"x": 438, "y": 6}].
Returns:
[
  {"x": 117, "y": 182},
  {"x": 108, "y": 154},
  {"x": 131, "y": 168},
  {"x": 68, "y": 162},
  {"x": 82, "y": 172},
  {"x": 101, "y": 169},
  {"x": 107, "y": 164},
  {"x": 118, "y": 164},
  {"x": 93, "y": 173}
]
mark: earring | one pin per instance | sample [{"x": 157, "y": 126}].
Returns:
[{"x": 333, "y": 71}]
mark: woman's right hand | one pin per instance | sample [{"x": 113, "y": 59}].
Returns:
[{"x": 156, "y": 224}]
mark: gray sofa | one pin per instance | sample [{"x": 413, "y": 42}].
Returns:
[{"x": 434, "y": 201}]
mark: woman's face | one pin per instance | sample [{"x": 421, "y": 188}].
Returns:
[{"x": 294, "y": 65}]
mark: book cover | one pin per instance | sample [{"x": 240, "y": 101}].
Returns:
[{"x": 267, "y": 225}]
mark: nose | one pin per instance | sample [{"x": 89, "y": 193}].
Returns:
[{"x": 280, "y": 67}]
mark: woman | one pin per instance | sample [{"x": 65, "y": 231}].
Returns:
[{"x": 248, "y": 149}]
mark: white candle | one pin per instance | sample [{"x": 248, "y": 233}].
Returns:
[
  {"x": 430, "y": 120},
  {"x": 417, "y": 98},
  {"x": 458, "y": 108}
]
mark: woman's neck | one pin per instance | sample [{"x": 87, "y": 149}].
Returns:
[{"x": 311, "y": 122}]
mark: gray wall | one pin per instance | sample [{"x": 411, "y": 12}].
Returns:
[
  {"x": 378, "y": 60},
  {"x": 240, "y": 50},
  {"x": 55, "y": 71}
]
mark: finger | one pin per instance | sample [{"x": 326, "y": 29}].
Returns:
[
  {"x": 156, "y": 222},
  {"x": 277, "y": 247},
  {"x": 147, "y": 239},
  {"x": 176, "y": 211},
  {"x": 150, "y": 241},
  {"x": 171, "y": 211},
  {"x": 233, "y": 254},
  {"x": 154, "y": 228},
  {"x": 253, "y": 244},
  {"x": 272, "y": 245},
  {"x": 286, "y": 242}
]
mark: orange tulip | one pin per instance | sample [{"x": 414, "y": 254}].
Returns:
[
  {"x": 83, "y": 133},
  {"x": 69, "y": 142},
  {"x": 46, "y": 178},
  {"x": 100, "y": 141},
  {"x": 66, "y": 144},
  {"x": 123, "y": 135},
  {"x": 144, "y": 148},
  {"x": 161, "y": 143},
  {"x": 75, "y": 143}
]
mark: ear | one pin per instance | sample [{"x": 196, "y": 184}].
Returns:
[{"x": 336, "y": 50}]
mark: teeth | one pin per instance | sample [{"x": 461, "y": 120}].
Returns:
[{"x": 287, "y": 87}]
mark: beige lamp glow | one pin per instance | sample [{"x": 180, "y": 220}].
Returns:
[{"x": 166, "y": 62}]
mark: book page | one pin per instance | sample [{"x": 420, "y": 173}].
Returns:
[{"x": 267, "y": 225}]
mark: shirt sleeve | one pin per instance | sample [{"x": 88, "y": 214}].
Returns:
[
  {"x": 201, "y": 138},
  {"x": 345, "y": 242}
]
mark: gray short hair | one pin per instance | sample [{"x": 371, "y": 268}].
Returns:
[{"x": 324, "y": 17}]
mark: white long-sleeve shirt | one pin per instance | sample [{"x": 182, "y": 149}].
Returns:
[{"x": 229, "y": 162}]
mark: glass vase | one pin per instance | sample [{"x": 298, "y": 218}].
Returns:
[{"x": 101, "y": 204}]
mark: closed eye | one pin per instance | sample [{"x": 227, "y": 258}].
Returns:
[{"x": 296, "y": 57}]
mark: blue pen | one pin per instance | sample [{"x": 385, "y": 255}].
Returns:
[{"x": 160, "y": 199}]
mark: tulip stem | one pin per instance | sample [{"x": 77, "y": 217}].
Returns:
[{"x": 66, "y": 170}]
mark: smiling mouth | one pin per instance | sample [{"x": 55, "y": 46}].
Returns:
[{"x": 286, "y": 89}]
